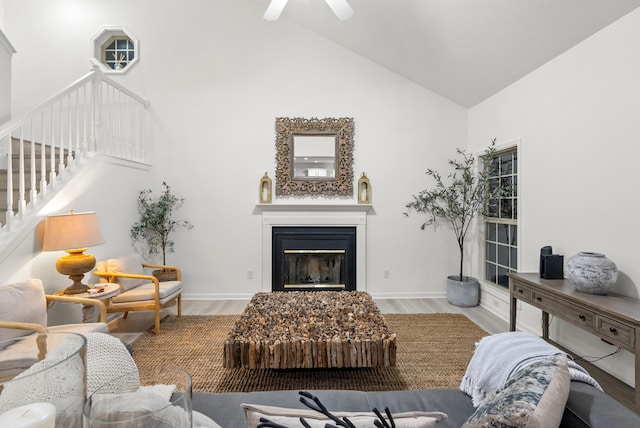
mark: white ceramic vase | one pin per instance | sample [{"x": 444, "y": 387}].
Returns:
[{"x": 591, "y": 272}]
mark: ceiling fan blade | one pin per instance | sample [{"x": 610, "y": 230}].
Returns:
[
  {"x": 274, "y": 9},
  {"x": 341, "y": 8}
]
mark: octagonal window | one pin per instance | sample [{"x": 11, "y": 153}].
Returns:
[{"x": 115, "y": 49}]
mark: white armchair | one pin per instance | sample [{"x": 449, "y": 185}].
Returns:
[
  {"x": 23, "y": 311},
  {"x": 139, "y": 291}
]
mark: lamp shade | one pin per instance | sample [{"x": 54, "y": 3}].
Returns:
[{"x": 70, "y": 231}]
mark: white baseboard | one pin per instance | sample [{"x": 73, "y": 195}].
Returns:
[
  {"x": 216, "y": 296},
  {"x": 247, "y": 296}
]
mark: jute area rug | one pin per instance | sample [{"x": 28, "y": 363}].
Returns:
[{"x": 433, "y": 352}]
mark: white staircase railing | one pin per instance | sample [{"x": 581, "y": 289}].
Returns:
[{"x": 95, "y": 114}]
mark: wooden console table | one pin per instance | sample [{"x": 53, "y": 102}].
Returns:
[{"x": 613, "y": 318}]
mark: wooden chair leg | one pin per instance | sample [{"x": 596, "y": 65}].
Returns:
[
  {"x": 126, "y": 314},
  {"x": 157, "y": 323},
  {"x": 179, "y": 305}
]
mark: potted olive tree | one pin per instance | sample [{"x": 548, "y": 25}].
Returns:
[
  {"x": 156, "y": 224},
  {"x": 455, "y": 202}
]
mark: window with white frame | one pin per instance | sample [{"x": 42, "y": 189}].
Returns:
[
  {"x": 118, "y": 52},
  {"x": 115, "y": 49},
  {"x": 501, "y": 220}
]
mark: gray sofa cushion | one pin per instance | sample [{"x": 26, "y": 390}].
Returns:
[
  {"x": 226, "y": 411},
  {"x": 586, "y": 408}
]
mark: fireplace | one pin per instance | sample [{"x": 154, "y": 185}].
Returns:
[{"x": 313, "y": 258}]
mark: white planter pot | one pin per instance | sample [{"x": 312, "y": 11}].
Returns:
[{"x": 463, "y": 293}]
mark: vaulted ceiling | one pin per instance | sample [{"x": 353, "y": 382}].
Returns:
[{"x": 464, "y": 50}]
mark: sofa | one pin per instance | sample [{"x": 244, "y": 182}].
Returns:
[
  {"x": 585, "y": 407},
  {"x": 514, "y": 379}
]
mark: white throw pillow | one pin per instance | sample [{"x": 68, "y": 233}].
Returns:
[
  {"x": 291, "y": 417},
  {"x": 128, "y": 264},
  {"x": 22, "y": 302},
  {"x": 107, "y": 360}
]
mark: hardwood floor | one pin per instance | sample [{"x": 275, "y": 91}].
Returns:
[{"x": 137, "y": 322}]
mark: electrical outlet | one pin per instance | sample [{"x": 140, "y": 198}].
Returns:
[
  {"x": 249, "y": 274},
  {"x": 387, "y": 273}
]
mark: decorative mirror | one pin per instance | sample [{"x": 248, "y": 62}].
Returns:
[{"x": 314, "y": 156}]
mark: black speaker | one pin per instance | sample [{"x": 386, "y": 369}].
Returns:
[{"x": 551, "y": 266}]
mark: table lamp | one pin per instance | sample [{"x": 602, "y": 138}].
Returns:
[{"x": 72, "y": 233}]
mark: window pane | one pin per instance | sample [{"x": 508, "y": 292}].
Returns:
[
  {"x": 490, "y": 272},
  {"x": 515, "y": 209},
  {"x": 514, "y": 258},
  {"x": 491, "y": 232},
  {"x": 493, "y": 184},
  {"x": 513, "y": 234},
  {"x": 122, "y": 44},
  {"x": 505, "y": 164},
  {"x": 494, "y": 170},
  {"x": 515, "y": 162},
  {"x": 503, "y": 279},
  {"x": 492, "y": 209},
  {"x": 507, "y": 186},
  {"x": 491, "y": 252},
  {"x": 503, "y": 231},
  {"x": 503, "y": 255},
  {"x": 505, "y": 208}
]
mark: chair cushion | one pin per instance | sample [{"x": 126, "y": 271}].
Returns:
[
  {"x": 146, "y": 292},
  {"x": 22, "y": 302},
  {"x": 127, "y": 264},
  {"x": 84, "y": 328}
]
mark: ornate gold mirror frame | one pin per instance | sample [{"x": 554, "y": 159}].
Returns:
[{"x": 294, "y": 177}]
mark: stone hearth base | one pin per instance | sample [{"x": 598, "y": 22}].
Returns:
[{"x": 310, "y": 329}]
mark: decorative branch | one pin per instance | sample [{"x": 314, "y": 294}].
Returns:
[{"x": 320, "y": 408}]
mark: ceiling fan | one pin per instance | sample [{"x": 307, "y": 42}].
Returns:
[{"x": 340, "y": 7}]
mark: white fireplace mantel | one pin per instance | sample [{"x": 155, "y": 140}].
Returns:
[
  {"x": 348, "y": 215},
  {"x": 313, "y": 207}
]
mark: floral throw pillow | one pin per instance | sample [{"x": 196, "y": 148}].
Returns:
[{"x": 534, "y": 397}]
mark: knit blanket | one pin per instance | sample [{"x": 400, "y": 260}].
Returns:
[{"x": 499, "y": 356}]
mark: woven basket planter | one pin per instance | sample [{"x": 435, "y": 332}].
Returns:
[{"x": 165, "y": 275}]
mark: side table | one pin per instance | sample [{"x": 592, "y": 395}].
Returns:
[
  {"x": 613, "y": 318},
  {"x": 88, "y": 312}
]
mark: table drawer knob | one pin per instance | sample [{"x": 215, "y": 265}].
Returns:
[
  {"x": 613, "y": 330},
  {"x": 520, "y": 290},
  {"x": 539, "y": 299},
  {"x": 582, "y": 317}
]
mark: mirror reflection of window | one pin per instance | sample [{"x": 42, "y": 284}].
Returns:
[{"x": 314, "y": 156}]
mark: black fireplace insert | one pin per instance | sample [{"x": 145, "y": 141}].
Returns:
[{"x": 314, "y": 258}]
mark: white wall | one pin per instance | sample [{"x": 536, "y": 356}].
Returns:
[
  {"x": 217, "y": 76},
  {"x": 6, "y": 52},
  {"x": 95, "y": 187},
  {"x": 577, "y": 118}
]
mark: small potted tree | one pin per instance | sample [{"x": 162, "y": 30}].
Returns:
[
  {"x": 156, "y": 224},
  {"x": 456, "y": 202}
]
